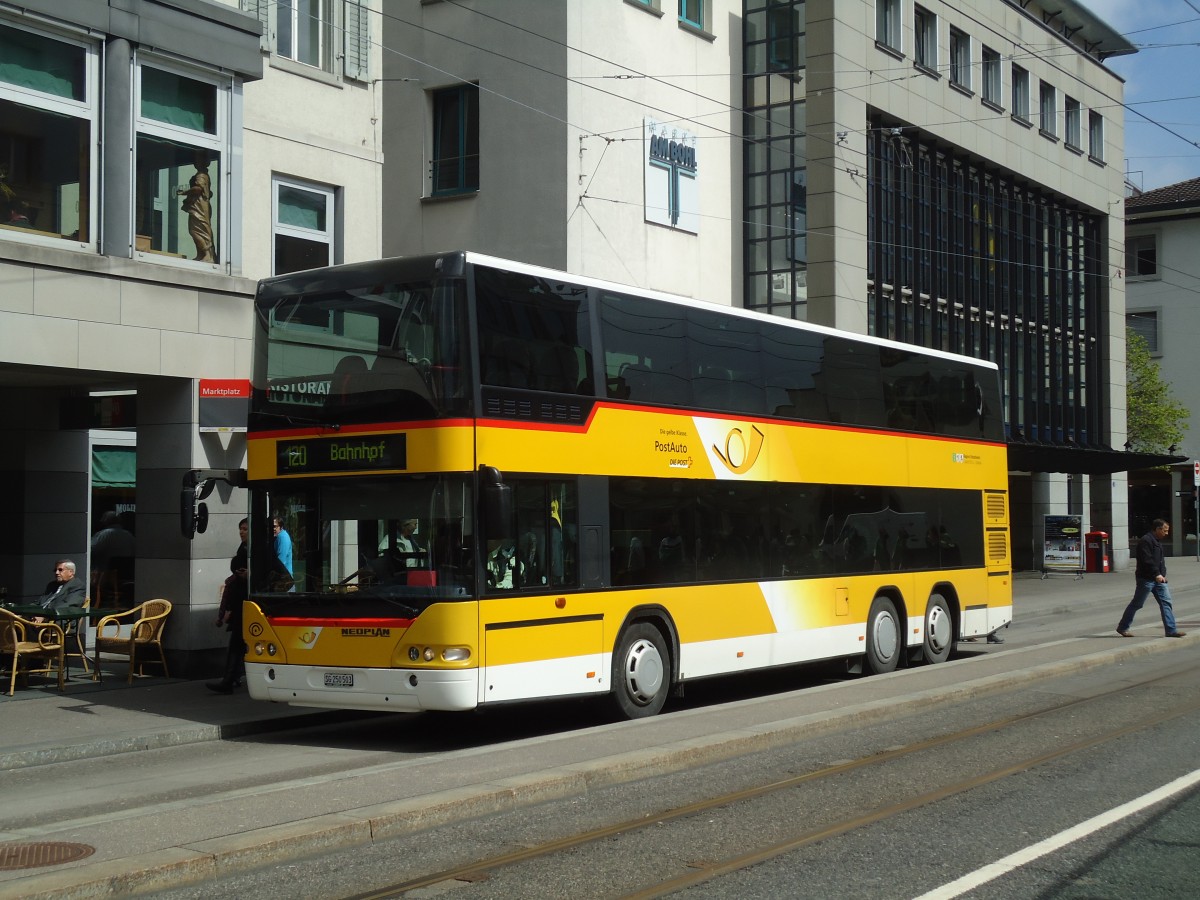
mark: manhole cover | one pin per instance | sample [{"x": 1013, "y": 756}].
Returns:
[{"x": 41, "y": 853}]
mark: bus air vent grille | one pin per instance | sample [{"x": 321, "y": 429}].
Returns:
[
  {"x": 997, "y": 546},
  {"x": 528, "y": 408}
]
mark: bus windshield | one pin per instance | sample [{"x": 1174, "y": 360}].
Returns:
[
  {"x": 376, "y": 545},
  {"x": 375, "y": 352}
]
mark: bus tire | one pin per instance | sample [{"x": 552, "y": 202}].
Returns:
[
  {"x": 641, "y": 672},
  {"x": 883, "y": 637},
  {"x": 939, "y": 630}
]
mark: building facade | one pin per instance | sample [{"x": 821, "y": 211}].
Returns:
[
  {"x": 1162, "y": 276},
  {"x": 947, "y": 174},
  {"x": 152, "y": 167}
]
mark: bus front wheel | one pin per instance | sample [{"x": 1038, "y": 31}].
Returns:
[
  {"x": 939, "y": 630},
  {"x": 883, "y": 637},
  {"x": 641, "y": 672}
]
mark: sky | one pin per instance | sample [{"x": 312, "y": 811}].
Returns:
[{"x": 1162, "y": 82}]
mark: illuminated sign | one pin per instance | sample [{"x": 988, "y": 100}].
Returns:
[{"x": 341, "y": 454}]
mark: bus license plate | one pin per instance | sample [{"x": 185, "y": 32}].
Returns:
[{"x": 339, "y": 679}]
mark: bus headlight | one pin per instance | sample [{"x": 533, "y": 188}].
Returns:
[
  {"x": 429, "y": 654},
  {"x": 456, "y": 654},
  {"x": 270, "y": 649},
  {"x": 259, "y": 648},
  {"x": 414, "y": 653}
]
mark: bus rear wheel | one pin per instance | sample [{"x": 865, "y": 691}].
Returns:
[
  {"x": 883, "y": 637},
  {"x": 641, "y": 672},
  {"x": 939, "y": 630}
]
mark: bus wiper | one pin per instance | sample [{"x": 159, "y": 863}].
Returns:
[{"x": 302, "y": 420}]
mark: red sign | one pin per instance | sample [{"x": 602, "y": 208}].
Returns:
[{"x": 224, "y": 387}]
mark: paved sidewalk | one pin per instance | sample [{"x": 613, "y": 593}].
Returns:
[{"x": 40, "y": 726}]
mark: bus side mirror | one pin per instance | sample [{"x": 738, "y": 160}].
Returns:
[
  {"x": 197, "y": 485},
  {"x": 193, "y": 516},
  {"x": 497, "y": 499}
]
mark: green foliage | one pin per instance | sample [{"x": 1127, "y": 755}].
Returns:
[{"x": 1156, "y": 419}]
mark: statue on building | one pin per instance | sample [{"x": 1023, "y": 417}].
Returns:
[{"x": 197, "y": 204}]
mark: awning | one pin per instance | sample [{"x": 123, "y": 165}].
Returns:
[
  {"x": 114, "y": 467},
  {"x": 1025, "y": 457}
]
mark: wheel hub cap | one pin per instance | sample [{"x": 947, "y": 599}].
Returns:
[{"x": 643, "y": 672}]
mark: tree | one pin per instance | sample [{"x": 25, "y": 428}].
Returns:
[{"x": 1157, "y": 420}]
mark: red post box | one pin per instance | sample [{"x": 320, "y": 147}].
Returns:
[{"x": 1096, "y": 556}]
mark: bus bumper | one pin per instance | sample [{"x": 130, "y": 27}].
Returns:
[{"x": 385, "y": 690}]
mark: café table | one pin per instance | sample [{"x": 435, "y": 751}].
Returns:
[{"x": 64, "y": 617}]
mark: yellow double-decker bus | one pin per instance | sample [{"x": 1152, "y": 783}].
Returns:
[{"x": 503, "y": 483}]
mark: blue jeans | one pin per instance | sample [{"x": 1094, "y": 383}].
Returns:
[{"x": 1161, "y": 593}]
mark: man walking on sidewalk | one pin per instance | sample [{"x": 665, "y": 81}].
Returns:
[{"x": 1150, "y": 577}]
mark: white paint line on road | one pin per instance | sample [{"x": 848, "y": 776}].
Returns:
[{"x": 1063, "y": 838}]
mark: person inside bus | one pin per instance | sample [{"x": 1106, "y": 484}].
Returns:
[
  {"x": 393, "y": 562},
  {"x": 556, "y": 555},
  {"x": 672, "y": 557},
  {"x": 409, "y": 545},
  {"x": 504, "y": 570},
  {"x": 281, "y": 573},
  {"x": 531, "y": 559}
]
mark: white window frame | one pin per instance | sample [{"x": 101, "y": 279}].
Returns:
[
  {"x": 1048, "y": 109},
  {"x": 1020, "y": 94},
  {"x": 925, "y": 38},
  {"x": 348, "y": 39},
  {"x": 87, "y": 109},
  {"x": 889, "y": 25},
  {"x": 328, "y": 237},
  {"x": 218, "y": 142},
  {"x": 325, "y": 52},
  {"x": 992, "y": 78},
  {"x": 1095, "y": 136},
  {"x": 1072, "y": 123},
  {"x": 960, "y": 59}
]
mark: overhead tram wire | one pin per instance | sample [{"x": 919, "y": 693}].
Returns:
[
  {"x": 721, "y": 133},
  {"x": 690, "y": 119}
]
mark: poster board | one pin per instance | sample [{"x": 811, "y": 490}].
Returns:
[{"x": 1062, "y": 550}]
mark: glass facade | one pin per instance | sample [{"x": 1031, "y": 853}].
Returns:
[
  {"x": 968, "y": 258},
  {"x": 776, "y": 159}
]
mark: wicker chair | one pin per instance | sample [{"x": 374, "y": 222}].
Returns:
[
  {"x": 21, "y": 638},
  {"x": 145, "y": 633},
  {"x": 75, "y": 632}
]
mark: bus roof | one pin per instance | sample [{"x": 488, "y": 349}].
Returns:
[{"x": 452, "y": 263}]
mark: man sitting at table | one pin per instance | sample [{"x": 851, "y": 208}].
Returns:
[{"x": 65, "y": 590}]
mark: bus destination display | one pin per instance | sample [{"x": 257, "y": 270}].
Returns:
[{"x": 342, "y": 454}]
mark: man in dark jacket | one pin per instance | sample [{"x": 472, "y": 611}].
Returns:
[
  {"x": 233, "y": 595},
  {"x": 65, "y": 590},
  {"x": 1150, "y": 577}
]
